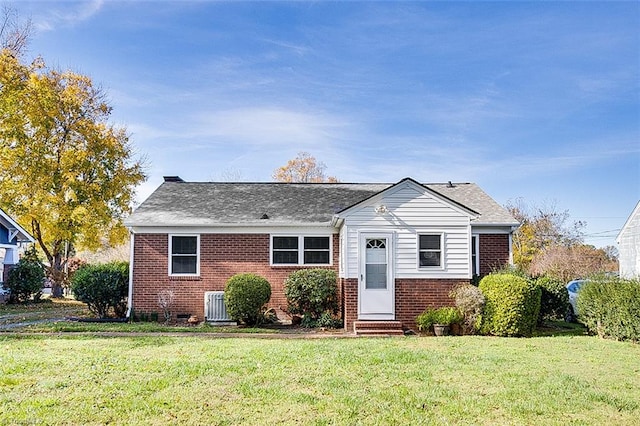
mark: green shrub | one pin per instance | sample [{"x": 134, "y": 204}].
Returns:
[
  {"x": 512, "y": 305},
  {"x": 554, "y": 300},
  {"x": 446, "y": 315},
  {"x": 470, "y": 302},
  {"x": 328, "y": 320},
  {"x": 426, "y": 320},
  {"x": 245, "y": 296},
  {"x": 610, "y": 307},
  {"x": 103, "y": 287},
  {"x": 312, "y": 293},
  {"x": 25, "y": 280}
]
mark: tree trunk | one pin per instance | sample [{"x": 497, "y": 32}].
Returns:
[
  {"x": 57, "y": 275},
  {"x": 57, "y": 260}
]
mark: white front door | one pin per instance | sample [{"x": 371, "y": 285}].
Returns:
[{"x": 376, "y": 296}]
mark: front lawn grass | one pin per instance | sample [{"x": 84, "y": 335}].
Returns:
[
  {"x": 135, "y": 327},
  {"x": 42, "y": 310},
  {"x": 48, "y": 316},
  {"x": 563, "y": 380}
]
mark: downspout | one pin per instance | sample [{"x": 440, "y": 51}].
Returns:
[{"x": 130, "y": 297}]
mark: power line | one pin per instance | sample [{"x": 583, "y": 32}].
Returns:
[{"x": 603, "y": 232}]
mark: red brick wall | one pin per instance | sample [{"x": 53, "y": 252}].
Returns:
[
  {"x": 413, "y": 296},
  {"x": 221, "y": 256},
  {"x": 493, "y": 251},
  {"x": 350, "y": 299},
  {"x": 224, "y": 255}
]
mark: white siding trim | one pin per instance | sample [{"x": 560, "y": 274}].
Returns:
[
  {"x": 494, "y": 229},
  {"x": 477, "y": 247},
  {"x": 132, "y": 242},
  {"x": 390, "y": 236},
  {"x": 192, "y": 230},
  {"x": 169, "y": 255},
  {"x": 443, "y": 251}
]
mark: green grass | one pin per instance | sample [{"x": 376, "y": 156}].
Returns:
[
  {"x": 44, "y": 317},
  {"x": 45, "y": 309},
  {"x": 136, "y": 327},
  {"x": 50, "y": 379}
]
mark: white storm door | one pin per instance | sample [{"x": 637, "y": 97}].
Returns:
[{"x": 376, "y": 298}]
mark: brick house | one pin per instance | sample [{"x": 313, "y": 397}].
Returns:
[{"x": 397, "y": 248}]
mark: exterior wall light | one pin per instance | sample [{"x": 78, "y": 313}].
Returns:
[{"x": 381, "y": 209}]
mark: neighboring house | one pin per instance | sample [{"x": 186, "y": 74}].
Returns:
[
  {"x": 629, "y": 245},
  {"x": 11, "y": 236},
  {"x": 397, "y": 249}
]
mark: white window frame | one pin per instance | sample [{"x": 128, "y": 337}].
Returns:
[
  {"x": 301, "y": 250},
  {"x": 170, "y": 255},
  {"x": 442, "y": 251},
  {"x": 475, "y": 245}
]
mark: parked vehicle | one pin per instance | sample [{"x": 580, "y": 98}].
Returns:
[
  {"x": 4, "y": 293},
  {"x": 573, "y": 287}
]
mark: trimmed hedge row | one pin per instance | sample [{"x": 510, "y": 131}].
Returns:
[
  {"x": 512, "y": 305},
  {"x": 554, "y": 302},
  {"x": 610, "y": 308}
]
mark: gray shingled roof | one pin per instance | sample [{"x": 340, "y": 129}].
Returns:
[{"x": 214, "y": 203}]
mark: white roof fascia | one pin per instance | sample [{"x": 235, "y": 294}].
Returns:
[
  {"x": 419, "y": 187},
  {"x": 514, "y": 226},
  {"x": 13, "y": 226},
  {"x": 635, "y": 211},
  {"x": 231, "y": 229}
]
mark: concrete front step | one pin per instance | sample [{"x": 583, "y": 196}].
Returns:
[{"x": 381, "y": 328}]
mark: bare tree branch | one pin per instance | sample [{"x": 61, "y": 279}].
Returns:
[{"x": 14, "y": 33}]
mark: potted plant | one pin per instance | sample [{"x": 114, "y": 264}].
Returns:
[{"x": 440, "y": 319}]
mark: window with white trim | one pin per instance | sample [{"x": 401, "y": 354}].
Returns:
[
  {"x": 184, "y": 254},
  {"x": 475, "y": 266},
  {"x": 300, "y": 250},
  {"x": 430, "y": 250}
]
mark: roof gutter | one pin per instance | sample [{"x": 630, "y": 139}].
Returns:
[
  {"x": 265, "y": 223},
  {"x": 511, "y": 225}
]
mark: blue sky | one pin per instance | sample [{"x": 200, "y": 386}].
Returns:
[{"x": 535, "y": 101}]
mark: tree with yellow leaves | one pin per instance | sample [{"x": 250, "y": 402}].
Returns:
[
  {"x": 66, "y": 174},
  {"x": 304, "y": 168}
]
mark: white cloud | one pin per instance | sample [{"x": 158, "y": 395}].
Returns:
[
  {"x": 260, "y": 126},
  {"x": 68, "y": 14}
]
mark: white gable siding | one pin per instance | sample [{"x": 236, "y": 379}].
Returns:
[
  {"x": 629, "y": 246},
  {"x": 411, "y": 211}
]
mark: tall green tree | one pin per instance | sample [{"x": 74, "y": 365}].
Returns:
[{"x": 66, "y": 173}]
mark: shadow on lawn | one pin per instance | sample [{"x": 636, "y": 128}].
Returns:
[{"x": 560, "y": 328}]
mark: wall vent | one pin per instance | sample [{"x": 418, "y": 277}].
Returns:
[{"x": 214, "y": 307}]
